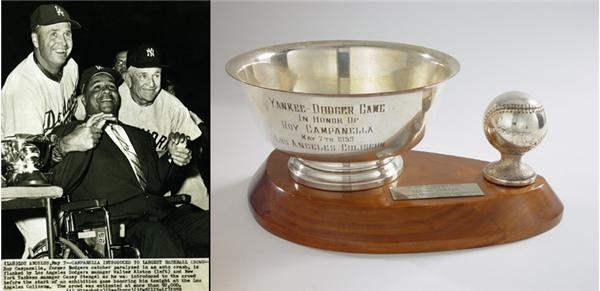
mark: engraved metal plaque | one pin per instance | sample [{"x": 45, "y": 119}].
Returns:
[{"x": 435, "y": 191}]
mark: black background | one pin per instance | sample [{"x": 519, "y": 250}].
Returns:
[{"x": 180, "y": 30}]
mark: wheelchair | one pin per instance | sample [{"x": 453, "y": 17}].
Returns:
[{"x": 91, "y": 239}]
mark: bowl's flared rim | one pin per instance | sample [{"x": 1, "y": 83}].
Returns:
[{"x": 239, "y": 62}]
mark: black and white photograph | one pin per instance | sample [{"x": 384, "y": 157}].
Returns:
[{"x": 105, "y": 130}]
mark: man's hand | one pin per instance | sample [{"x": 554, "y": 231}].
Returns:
[
  {"x": 180, "y": 155},
  {"x": 86, "y": 135}
]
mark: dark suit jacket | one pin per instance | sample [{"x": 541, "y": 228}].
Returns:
[{"x": 105, "y": 172}]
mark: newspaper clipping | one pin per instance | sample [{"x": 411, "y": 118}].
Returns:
[{"x": 116, "y": 274}]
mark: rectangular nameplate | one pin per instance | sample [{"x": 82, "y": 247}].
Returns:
[{"x": 435, "y": 191}]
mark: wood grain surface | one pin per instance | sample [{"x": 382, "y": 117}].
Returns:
[{"x": 370, "y": 221}]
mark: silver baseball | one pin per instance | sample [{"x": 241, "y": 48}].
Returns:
[{"x": 514, "y": 123}]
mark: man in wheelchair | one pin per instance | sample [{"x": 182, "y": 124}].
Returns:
[{"x": 124, "y": 169}]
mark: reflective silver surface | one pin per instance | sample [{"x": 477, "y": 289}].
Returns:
[
  {"x": 345, "y": 176},
  {"x": 23, "y": 155},
  {"x": 514, "y": 123},
  {"x": 435, "y": 191},
  {"x": 336, "y": 105}
]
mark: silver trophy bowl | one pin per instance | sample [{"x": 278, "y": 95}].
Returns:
[
  {"x": 23, "y": 158},
  {"x": 344, "y": 110}
]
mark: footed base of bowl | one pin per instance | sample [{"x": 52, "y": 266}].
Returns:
[
  {"x": 372, "y": 221},
  {"x": 331, "y": 176}
]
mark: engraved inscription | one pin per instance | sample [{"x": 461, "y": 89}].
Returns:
[
  {"x": 435, "y": 191},
  {"x": 321, "y": 124},
  {"x": 320, "y": 109},
  {"x": 287, "y": 106}
]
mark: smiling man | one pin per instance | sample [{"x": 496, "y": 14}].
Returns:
[
  {"x": 146, "y": 105},
  {"x": 39, "y": 94},
  {"x": 125, "y": 170}
]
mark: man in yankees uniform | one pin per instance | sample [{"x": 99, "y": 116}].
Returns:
[
  {"x": 147, "y": 106},
  {"x": 39, "y": 94}
]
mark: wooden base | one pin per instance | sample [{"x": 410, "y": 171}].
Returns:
[{"x": 370, "y": 221}]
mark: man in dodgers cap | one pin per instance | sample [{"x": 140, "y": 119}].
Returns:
[{"x": 39, "y": 94}]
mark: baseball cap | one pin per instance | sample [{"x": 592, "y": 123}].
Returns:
[
  {"x": 94, "y": 70},
  {"x": 144, "y": 56},
  {"x": 50, "y": 14}
]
